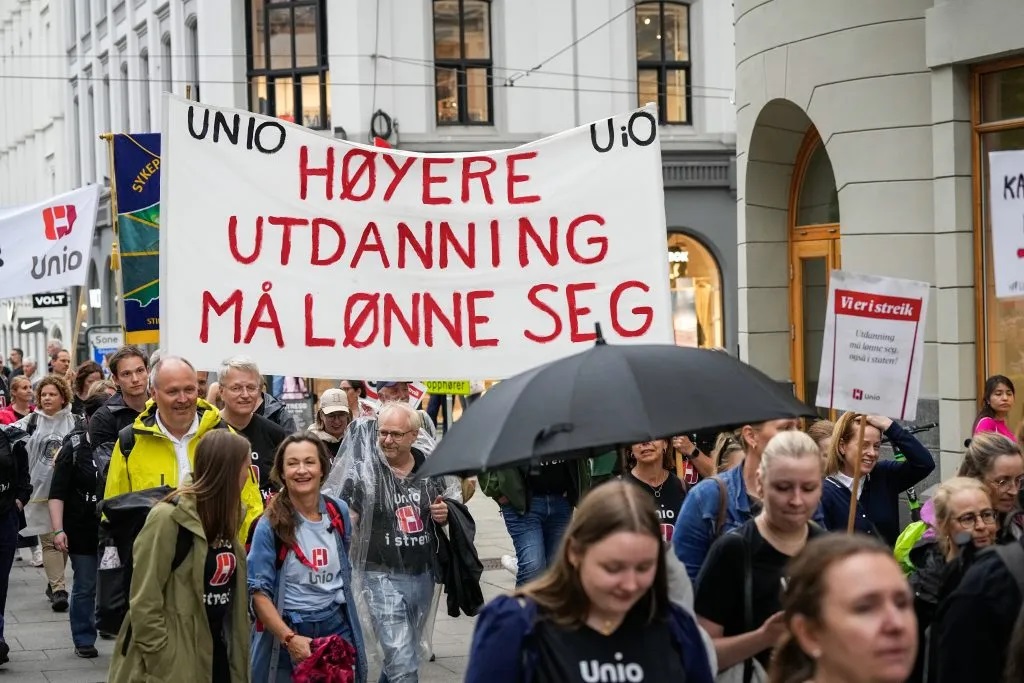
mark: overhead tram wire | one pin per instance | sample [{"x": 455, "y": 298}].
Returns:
[{"x": 100, "y": 78}]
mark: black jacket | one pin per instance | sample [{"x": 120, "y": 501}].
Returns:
[
  {"x": 14, "y": 479},
  {"x": 106, "y": 423},
  {"x": 971, "y": 631},
  {"x": 456, "y": 563},
  {"x": 276, "y": 411}
]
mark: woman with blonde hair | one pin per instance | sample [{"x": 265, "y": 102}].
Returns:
[
  {"x": 727, "y": 453},
  {"x": 738, "y": 589},
  {"x": 187, "y": 611},
  {"x": 719, "y": 504},
  {"x": 998, "y": 462},
  {"x": 881, "y": 481},
  {"x": 600, "y": 612},
  {"x": 963, "y": 515},
  {"x": 847, "y": 615}
]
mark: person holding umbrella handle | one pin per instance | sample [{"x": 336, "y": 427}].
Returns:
[{"x": 881, "y": 482}]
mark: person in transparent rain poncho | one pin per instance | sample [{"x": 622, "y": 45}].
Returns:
[
  {"x": 395, "y": 517},
  {"x": 47, "y": 427}
]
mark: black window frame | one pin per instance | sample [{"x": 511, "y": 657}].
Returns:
[
  {"x": 295, "y": 73},
  {"x": 663, "y": 65},
  {"x": 463, "y": 63}
]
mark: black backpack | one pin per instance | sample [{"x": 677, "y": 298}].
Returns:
[{"x": 1012, "y": 555}]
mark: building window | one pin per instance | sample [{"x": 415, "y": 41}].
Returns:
[
  {"x": 463, "y": 89},
  {"x": 147, "y": 123},
  {"x": 125, "y": 98},
  {"x": 76, "y": 137},
  {"x": 695, "y": 282},
  {"x": 165, "y": 63},
  {"x": 998, "y": 119},
  {"x": 663, "y": 59},
  {"x": 192, "y": 27},
  {"x": 90, "y": 133},
  {"x": 287, "y": 59}
]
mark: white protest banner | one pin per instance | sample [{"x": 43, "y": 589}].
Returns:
[
  {"x": 319, "y": 257},
  {"x": 1006, "y": 206},
  {"x": 873, "y": 345},
  {"x": 45, "y": 246}
]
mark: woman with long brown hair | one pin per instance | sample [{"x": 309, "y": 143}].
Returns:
[
  {"x": 300, "y": 576},
  {"x": 188, "y": 613},
  {"x": 601, "y": 612},
  {"x": 848, "y": 614}
]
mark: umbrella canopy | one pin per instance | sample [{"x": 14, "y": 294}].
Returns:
[{"x": 607, "y": 396}]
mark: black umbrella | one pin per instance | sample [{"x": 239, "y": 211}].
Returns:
[{"x": 607, "y": 396}]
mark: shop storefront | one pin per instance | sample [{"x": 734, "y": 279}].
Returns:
[
  {"x": 997, "y": 91},
  {"x": 862, "y": 143}
]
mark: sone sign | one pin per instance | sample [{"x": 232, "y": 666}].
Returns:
[{"x": 317, "y": 256}]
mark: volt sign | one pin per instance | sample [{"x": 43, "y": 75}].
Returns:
[{"x": 50, "y": 300}]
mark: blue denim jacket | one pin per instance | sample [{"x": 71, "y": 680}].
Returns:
[
  {"x": 263, "y": 576},
  {"x": 695, "y": 527}
]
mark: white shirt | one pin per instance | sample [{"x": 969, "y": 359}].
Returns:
[
  {"x": 180, "y": 446},
  {"x": 848, "y": 482}
]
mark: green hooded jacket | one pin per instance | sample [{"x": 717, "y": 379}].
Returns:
[
  {"x": 510, "y": 483},
  {"x": 170, "y": 636}
]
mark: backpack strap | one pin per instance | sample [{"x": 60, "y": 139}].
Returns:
[
  {"x": 723, "y": 506},
  {"x": 182, "y": 546},
  {"x": 31, "y": 423},
  {"x": 126, "y": 440}
]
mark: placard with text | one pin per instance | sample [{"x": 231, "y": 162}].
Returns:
[
  {"x": 1006, "y": 208},
  {"x": 325, "y": 258},
  {"x": 873, "y": 345}
]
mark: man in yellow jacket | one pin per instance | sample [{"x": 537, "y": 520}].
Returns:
[{"x": 158, "y": 449}]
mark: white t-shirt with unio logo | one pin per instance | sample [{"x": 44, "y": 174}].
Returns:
[{"x": 310, "y": 589}]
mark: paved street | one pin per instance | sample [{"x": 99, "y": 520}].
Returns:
[{"x": 40, "y": 640}]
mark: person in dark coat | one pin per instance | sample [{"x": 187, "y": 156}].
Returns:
[
  {"x": 130, "y": 373},
  {"x": 881, "y": 481},
  {"x": 15, "y": 492},
  {"x": 275, "y": 410}
]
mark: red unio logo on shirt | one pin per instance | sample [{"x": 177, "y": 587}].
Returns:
[
  {"x": 319, "y": 557},
  {"x": 409, "y": 521},
  {"x": 225, "y": 568}
]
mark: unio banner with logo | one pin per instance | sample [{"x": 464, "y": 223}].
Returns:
[
  {"x": 319, "y": 256},
  {"x": 45, "y": 246},
  {"x": 873, "y": 346}
]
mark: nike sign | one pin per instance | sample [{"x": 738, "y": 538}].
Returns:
[{"x": 30, "y": 325}]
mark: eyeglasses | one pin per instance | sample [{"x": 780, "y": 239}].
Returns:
[
  {"x": 987, "y": 516},
  {"x": 385, "y": 433},
  {"x": 242, "y": 388},
  {"x": 1004, "y": 484}
]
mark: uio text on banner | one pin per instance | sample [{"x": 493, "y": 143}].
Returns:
[
  {"x": 318, "y": 256},
  {"x": 873, "y": 345}
]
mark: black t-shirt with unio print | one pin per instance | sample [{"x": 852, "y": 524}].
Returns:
[
  {"x": 636, "y": 651},
  {"x": 399, "y": 529},
  {"x": 218, "y": 586},
  {"x": 264, "y": 437},
  {"x": 552, "y": 478},
  {"x": 719, "y": 590},
  {"x": 668, "y": 498}
]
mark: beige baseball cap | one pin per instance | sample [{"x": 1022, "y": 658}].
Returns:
[{"x": 334, "y": 401}]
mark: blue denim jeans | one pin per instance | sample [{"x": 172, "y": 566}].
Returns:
[
  {"x": 537, "y": 534},
  {"x": 83, "y": 600},
  {"x": 320, "y": 624},
  {"x": 9, "y": 523},
  {"x": 399, "y": 605}
]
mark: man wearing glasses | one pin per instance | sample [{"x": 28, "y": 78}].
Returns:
[
  {"x": 395, "y": 515},
  {"x": 240, "y": 388}
]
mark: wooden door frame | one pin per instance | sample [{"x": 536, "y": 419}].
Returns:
[{"x": 804, "y": 241}]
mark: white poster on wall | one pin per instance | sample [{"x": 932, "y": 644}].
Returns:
[
  {"x": 873, "y": 346},
  {"x": 1006, "y": 206}
]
